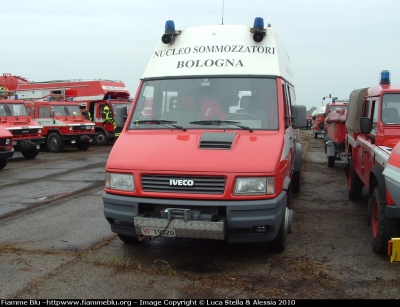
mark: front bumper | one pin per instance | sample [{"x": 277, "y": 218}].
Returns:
[
  {"x": 6, "y": 154},
  {"x": 237, "y": 224},
  {"x": 26, "y": 144},
  {"x": 79, "y": 137}
]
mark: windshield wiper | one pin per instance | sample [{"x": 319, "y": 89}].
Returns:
[
  {"x": 160, "y": 122},
  {"x": 220, "y": 122}
]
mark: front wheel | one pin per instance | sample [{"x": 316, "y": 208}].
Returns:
[
  {"x": 354, "y": 183},
  {"x": 296, "y": 182},
  {"x": 55, "y": 142},
  {"x": 83, "y": 145},
  {"x": 315, "y": 135},
  {"x": 279, "y": 243},
  {"x": 3, "y": 163},
  {"x": 331, "y": 161},
  {"x": 101, "y": 138},
  {"x": 383, "y": 228},
  {"x": 30, "y": 153}
]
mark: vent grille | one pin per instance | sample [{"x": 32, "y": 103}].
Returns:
[
  {"x": 180, "y": 184},
  {"x": 215, "y": 145}
]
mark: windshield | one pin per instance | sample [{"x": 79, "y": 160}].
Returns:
[
  {"x": 16, "y": 109},
  {"x": 391, "y": 108},
  {"x": 66, "y": 110},
  {"x": 213, "y": 103}
]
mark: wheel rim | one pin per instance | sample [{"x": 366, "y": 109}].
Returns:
[
  {"x": 100, "y": 138},
  {"x": 374, "y": 219},
  {"x": 53, "y": 142}
]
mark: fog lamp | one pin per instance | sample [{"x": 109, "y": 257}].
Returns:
[{"x": 260, "y": 228}]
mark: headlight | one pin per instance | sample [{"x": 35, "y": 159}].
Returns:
[
  {"x": 119, "y": 182},
  {"x": 8, "y": 141},
  {"x": 40, "y": 131},
  {"x": 254, "y": 185}
]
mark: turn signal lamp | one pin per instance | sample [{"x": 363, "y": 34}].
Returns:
[
  {"x": 258, "y": 29},
  {"x": 170, "y": 33},
  {"x": 385, "y": 77}
]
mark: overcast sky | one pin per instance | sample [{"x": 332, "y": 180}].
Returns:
[{"x": 335, "y": 45}]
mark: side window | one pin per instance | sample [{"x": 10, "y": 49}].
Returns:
[
  {"x": 286, "y": 101},
  {"x": 366, "y": 108},
  {"x": 44, "y": 111},
  {"x": 374, "y": 110}
]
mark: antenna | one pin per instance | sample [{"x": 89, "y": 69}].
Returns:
[{"x": 222, "y": 12}]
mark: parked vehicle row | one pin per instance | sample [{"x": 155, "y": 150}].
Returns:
[
  {"x": 26, "y": 134},
  {"x": 365, "y": 134}
]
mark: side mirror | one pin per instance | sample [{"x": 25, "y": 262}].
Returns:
[
  {"x": 121, "y": 113},
  {"x": 366, "y": 125},
  {"x": 299, "y": 114}
]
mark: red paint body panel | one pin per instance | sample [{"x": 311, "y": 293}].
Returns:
[{"x": 181, "y": 153}]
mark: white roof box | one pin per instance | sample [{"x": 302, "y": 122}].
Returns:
[{"x": 220, "y": 50}]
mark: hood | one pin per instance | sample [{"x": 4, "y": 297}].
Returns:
[
  {"x": 197, "y": 151},
  {"x": 15, "y": 121}
]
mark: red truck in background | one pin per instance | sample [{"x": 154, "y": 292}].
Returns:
[
  {"x": 15, "y": 118},
  {"x": 335, "y": 131},
  {"x": 92, "y": 92},
  {"x": 373, "y": 130},
  {"x": 318, "y": 121},
  {"x": 6, "y": 146},
  {"x": 63, "y": 123}
]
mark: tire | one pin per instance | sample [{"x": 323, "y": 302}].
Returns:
[
  {"x": 30, "y": 153},
  {"x": 133, "y": 240},
  {"x": 331, "y": 161},
  {"x": 279, "y": 243},
  {"x": 296, "y": 182},
  {"x": 383, "y": 228},
  {"x": 101, "y": 138},
  {"x": 83, "y": 145},
  {"x": 354, "y": 183},
  {"x": 3, "y": 163},
  {"x": 55, "y": 142},
  {"x": 315, "y": 135}
]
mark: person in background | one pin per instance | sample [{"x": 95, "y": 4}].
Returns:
[
  {"x": 108, "y": 116},
  {"x": 85, "y": 112}
]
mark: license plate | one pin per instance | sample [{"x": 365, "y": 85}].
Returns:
[{"x": 148, "y": 231}]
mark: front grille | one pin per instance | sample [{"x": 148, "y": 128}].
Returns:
[
  {"x": 24, "y": 132},
  {"x": 3, "y": 141},
  {"x": 174, "y": 184},
  {"x": 81, "y": 128}
]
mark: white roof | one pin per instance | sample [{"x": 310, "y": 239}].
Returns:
[
  {"x": 320, "y": 110},
  {"x": 220, "y": 50}
]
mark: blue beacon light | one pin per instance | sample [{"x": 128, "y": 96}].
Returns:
[
  {"x": 258, "y": 29},
  {"x": 385, "y": 77},
  {"x": 170, "y": 33}
]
